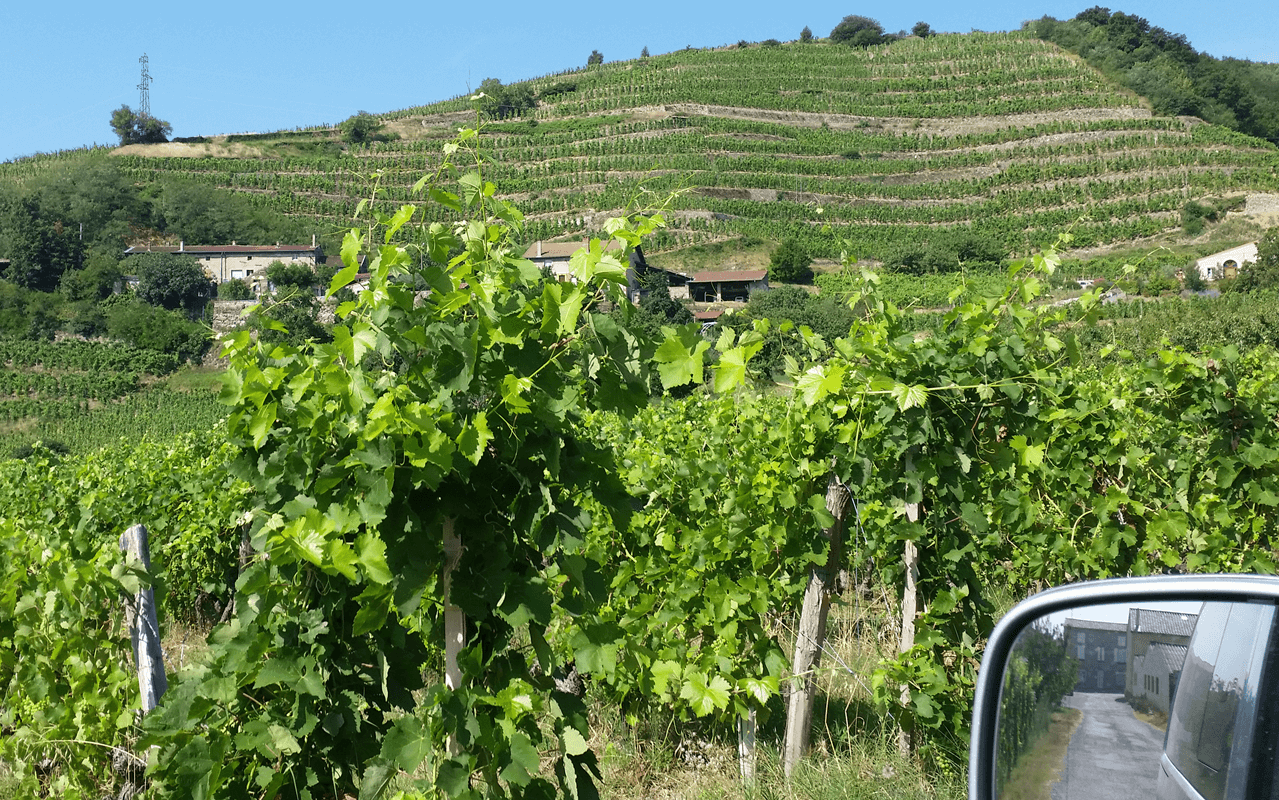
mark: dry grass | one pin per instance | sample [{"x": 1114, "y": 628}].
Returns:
[
  {"x": 1040, "y": 768},
  {"x": 184, "y": 644},
  {"x": 1155, "y": 719}
]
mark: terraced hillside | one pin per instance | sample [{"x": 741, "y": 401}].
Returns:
[{"x": 877, "y": 148}]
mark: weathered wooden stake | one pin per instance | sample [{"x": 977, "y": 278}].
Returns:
[
  {"x": 454, "y": 619},
  {"x": 812, "y": 630},
  {"x": 144, "y": 627},
  {"x": 909, "y": 607},
  {"x": 746, "y": 747}
]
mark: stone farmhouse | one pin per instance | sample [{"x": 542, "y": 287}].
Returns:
[
  {"x": 1159, "y": 640},
  {"x": 1141, "y": 658},
  {"x": 1227, "y": 263},
  {"x": 240, "y": 261},
  {"x": 1102, "y": 651}
]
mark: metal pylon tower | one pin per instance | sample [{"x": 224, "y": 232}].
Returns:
[{"x": 144, "y": 89}]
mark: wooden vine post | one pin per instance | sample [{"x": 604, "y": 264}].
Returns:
[
  {"x": 143, "y": 624},
  {"x": 454, "y": 619},
  {"x": 910, "y": 558},
  {"x": 811, "y": 635}
]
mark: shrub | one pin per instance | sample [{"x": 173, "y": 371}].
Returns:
[
  {"x": 806, "y": 35},
  {"x": 234, "y": 289},
  {"x": 790, "y": 262},
  {"x": 151, "y": 328},
  {"x": 857, "y": 31}
]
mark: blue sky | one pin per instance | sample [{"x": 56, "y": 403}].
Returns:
[{"x": 233, "y": 66}]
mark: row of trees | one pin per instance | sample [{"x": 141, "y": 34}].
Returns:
[
  {"x": 1163, "y": 67},
  {"x": 856, "y": 30}
]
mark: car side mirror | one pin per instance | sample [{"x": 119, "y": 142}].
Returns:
[{"x": 1162, "y": 687}]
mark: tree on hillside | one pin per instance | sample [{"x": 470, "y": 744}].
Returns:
[
  {"x": 922, "y": 30},
  {"x": 41, "y": 249},
  {"x": 806, "y": 35},
  {"x": 789, "y": 262},
  {"x": 1097, "y": 15},
  {"x": 1263, "y": 273},
  {"x": 499, "y": 102},
  {"x": 644, "y": 52},
  {"x": 171, "y": 281},
  {"x": 362, "y": 128},
  {"x": 596, "y": 57},
  {"x": 857, "y": 31},
  {"x": 135, "y": 128}
]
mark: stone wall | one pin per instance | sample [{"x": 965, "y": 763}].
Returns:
[
  {"x": 1262, "y": 204},
  {"x": 229, "y": 315}
]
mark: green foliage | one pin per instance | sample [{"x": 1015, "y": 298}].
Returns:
[
  {"x": 806, "y": 35},
  {"x": 27, "y": 314},
  {"x": 292, "y": 278},
  {"x": 234, "y": 289},
  {"x": 1040, "y": 673},
  {"x": 96, "y": 281},
  {"x": 171, "y": 281},
  {"x": 789, "y": 263},
  {"x": 566, "y": 87},
  {"x": 363, "y": 128},
  {"x": 201, "y": 214},
  {"x": 149, "y": 327},
  {"x": 922, "y": 30},
  {"x": 454, "y": 411},
  {"x": 692, "y": 585},
  {"x": 595, "y": 58},
  {"x": 499, "y": 102},
  {"x": 69, "y": 689},
  {"x": 135, "y": 128},
  {"x": 41, "y": 249},
  {"x": 857, "y": 31},
  {"x": 1164, "y": 67},
  {"x": 644, "y": 52}
]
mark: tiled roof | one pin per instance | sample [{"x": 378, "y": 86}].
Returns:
[
  {"x": 1165, "y": 657},
  {"x": 707, "y": 316},
  {"x": 208, "y": 250},
  {"x": 1094, "y": 625},
  {"x": 564, "y": 249},
  {"x": 727, "y": 275},
  {"x": 1148, "y": 620}
]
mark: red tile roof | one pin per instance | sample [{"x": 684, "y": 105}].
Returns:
[
  {"x": 203, "y": 250},
  {"x": 724, "y": 276}
]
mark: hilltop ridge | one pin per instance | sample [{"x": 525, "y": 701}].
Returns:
[{"x": 1000, "y": 135}]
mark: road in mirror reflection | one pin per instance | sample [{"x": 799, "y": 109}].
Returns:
[{"x": 1085, "y": 701}]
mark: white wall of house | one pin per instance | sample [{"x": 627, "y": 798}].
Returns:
[{"x": 1215, "y": 266}]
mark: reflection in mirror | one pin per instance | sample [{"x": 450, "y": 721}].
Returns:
[{"x": 1145, "y": 700}]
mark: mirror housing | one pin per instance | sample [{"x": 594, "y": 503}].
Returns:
[{"x": 1170, "y": 588}]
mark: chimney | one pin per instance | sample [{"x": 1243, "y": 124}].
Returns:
[
  {"x": 182, "y": 246},
  {"x": 233, "y": 242},
  {"x": 539, "y": 248},
  {"x": 313, "y": 241}
]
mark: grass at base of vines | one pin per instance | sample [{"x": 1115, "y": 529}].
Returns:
[
  {"x": 853, "y": 750},
  {"x": 1038, "y": 769}
]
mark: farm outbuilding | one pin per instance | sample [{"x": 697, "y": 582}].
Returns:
[{"x": 1227, "y": 263}]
